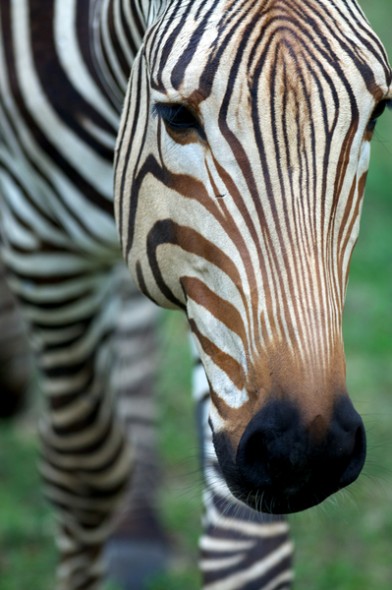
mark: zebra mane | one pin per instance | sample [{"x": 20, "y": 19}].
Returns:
[{"x": 155, "y": 8}]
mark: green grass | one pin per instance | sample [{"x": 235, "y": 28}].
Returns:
[
  {"x": 346, "y": 543},
  {"x": 27, "y": 554}
]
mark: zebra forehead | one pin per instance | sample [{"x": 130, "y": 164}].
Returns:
[{"x": 203, "y": 40}]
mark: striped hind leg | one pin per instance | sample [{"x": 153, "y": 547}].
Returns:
[
  {"x": 241, "y": 549},
  {"x": 86, "y": 458}
]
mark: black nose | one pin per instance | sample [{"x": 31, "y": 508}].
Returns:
[{"x": 281, "y": 466}]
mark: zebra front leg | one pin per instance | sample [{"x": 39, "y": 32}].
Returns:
[
  {"x": 85, "y": 454},
  {"x": 15, "y": 354},
  {"x": 241, "y": 549}
]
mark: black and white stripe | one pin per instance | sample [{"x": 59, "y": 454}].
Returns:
[{"x": 188, "y": 154}]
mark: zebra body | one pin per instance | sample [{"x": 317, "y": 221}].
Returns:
[
  {"x": 64, "y": 69},
  {"x": 58, "y": 128}
]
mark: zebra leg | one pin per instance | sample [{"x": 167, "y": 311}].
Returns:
[
  {"x": 138, "y": 548},
  {"x": 241, "y": 549},
  {"x": 86, "y": 458},
  {"x": 15, "y": 354}
]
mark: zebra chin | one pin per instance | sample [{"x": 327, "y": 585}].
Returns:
[{"x": 281, "y": 467}]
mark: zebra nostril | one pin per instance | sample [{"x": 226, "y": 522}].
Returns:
[
  {"x": 252, "y": 459},
  {"x": 355, "y": 457},
  {"x": 271, "y": 447},
  {"x": 347, "y": 439}
]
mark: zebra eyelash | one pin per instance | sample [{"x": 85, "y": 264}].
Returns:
[
  {"x": 177, "y": 117},
  {"x": 378, "y": 111}
]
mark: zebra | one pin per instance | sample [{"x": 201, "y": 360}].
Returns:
[{"x": 205, "y": 215}]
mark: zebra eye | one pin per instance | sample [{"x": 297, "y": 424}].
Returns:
[
  {"x": 378, "y": 111},
  {"x": 177, "y": 117}
]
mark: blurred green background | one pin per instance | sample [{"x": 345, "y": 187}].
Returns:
[{"x": 346, "y": 543}]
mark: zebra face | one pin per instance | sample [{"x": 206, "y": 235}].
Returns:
[{"x": 240, "y": 170}]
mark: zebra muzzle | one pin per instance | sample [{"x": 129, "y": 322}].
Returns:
[{"x": 281, "y": 466}]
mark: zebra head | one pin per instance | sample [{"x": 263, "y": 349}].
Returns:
[{"x": 240, "y": 170}]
